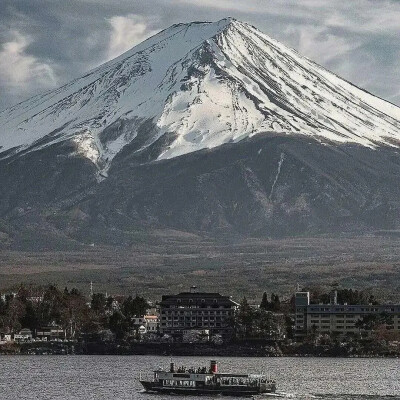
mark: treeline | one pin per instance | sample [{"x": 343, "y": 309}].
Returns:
[
  {"x": 273, "y": 305},
  {"x": 271, "y": 320},
  {"x": 35, "y": 308}
]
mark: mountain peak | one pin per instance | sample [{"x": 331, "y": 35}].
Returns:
[
  {"x": 229, "y": 20},
  {"x": 194, "y": 86}
]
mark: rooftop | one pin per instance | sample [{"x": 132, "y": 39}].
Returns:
[{"x": 197, "y": 297}]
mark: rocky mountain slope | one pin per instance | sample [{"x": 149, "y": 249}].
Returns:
[{"x": 211, "y": 127}]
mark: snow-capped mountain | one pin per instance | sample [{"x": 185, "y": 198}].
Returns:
[
  {"x": 269, "y": 144},
  {"x": 196, "y": 86}
]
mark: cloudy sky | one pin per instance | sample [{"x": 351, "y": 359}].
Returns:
[{"x": 45, "y": 43}]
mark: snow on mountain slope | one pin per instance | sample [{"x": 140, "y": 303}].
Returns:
[{"x": 201, "y": 85}]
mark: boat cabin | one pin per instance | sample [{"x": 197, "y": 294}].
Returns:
[{"x": 204, "y": 377}]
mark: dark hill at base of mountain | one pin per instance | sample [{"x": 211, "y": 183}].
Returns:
[{"x": 268, "y": 186}]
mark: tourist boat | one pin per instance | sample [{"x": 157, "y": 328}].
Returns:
[{"x": 208, "y": 381}]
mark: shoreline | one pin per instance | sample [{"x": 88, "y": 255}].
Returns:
[{"x": 190, "y": 350}]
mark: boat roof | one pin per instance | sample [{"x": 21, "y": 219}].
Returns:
[{"x": 223, "y": 374}]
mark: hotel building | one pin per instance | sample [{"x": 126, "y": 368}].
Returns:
[
  {"x": 337, "y": 318},
  {"x": 185, "y": 311}
]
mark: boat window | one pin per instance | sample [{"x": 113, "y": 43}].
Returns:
[{"x": 209, "y": 380}]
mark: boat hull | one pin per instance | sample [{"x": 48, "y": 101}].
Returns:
[{"x": 154, "y": 387}]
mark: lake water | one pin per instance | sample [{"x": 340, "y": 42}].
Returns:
[{"x": 116, "y": 377}]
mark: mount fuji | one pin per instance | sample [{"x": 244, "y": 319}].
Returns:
[{"x": 205, "y": 127}]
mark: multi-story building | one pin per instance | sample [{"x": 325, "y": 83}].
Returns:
[
  {"x": 146, "y": 324},
  {"x": 302, "y": 301},
  {"x": 152, "y": 323},
  {"x": 197, "y": 311},
  {"x": 340, "y": 319}
]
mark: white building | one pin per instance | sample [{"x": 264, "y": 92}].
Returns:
[
  {"x": 8, "y": 338},
  {"x": 152, "y": 323},
  {"x": 147, "y": 324},
  {"x": 24, "y": 336}
]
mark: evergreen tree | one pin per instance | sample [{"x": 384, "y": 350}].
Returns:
[
  {"x": 264, "y": 302},
  {"x": 29, "y": 319},
  {"x": 98, "y": 302},
  {"x": 118, "y": 324},
  {"x": 275, "y": 303},
  {"x": 244, "y": 320},
  {"x": 135, "y": 307},
  {"x": 75, "y": 292}
]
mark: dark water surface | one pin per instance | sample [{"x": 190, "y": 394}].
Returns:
[{"x": 116, "y": 377}]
